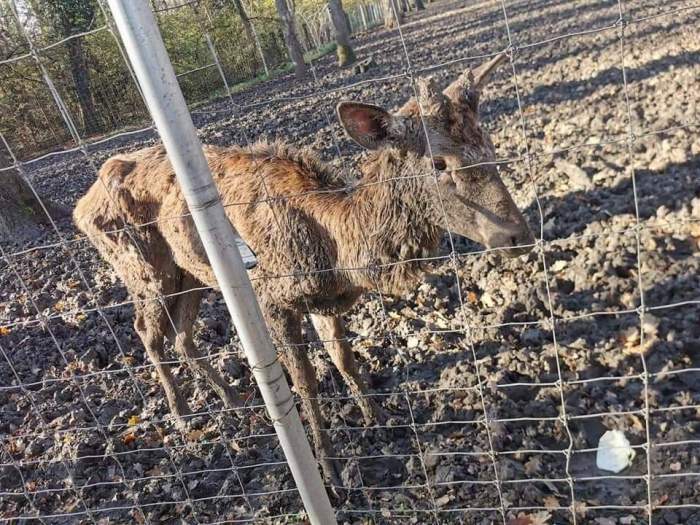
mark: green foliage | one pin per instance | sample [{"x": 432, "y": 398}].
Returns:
[
  {"x": 29, "y": 116},
  {"x": 67, "y": 16}
]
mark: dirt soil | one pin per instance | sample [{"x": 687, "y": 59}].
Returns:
[{"x": 531, "y": 358}]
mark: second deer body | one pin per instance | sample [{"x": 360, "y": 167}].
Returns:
[{"x": 319, "y": 245}]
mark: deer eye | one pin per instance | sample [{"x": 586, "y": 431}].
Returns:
[{"x": 439, "y": 163}]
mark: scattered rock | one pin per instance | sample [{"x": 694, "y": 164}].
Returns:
[{"x": 578, "y": 178}]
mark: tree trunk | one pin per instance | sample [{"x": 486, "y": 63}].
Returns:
[
  {"x": 250, "y": 33},
  {"x": 69, "y": 18},
  {"x": 301, "y": 70},
  {"x": 363, "y": 16},
  {"x": 81, "y": 79},
  {"x": 247, "y": 25},
  {"x": 419, "y": 5},
  {"x": 391, "y": 13},
  {"x": 20, "y": 212},
  {"x": 308, "y": 39},
  {"x": 346, "y": 55}
]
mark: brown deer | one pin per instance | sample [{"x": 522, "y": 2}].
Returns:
[{"x": 319, "y": 245}]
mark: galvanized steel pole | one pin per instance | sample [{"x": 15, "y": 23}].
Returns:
[{"x": 144, "y": 45}]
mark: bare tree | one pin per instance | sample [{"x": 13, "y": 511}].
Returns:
[
  {"x": 301, "y": 70},
  {"x": 392, "y": 13},
  {"x": 70, "y": 17},
  {"x": 250, "y": 32},
  {"x": 346, "y": 55}
]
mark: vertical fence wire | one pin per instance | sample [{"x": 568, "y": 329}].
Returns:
[
  {"x": 542, "y": 249},
  {"x": 638, "y": 246},
  {"x": 78, "y": 140},
  {"x": 466, "y": 327}
]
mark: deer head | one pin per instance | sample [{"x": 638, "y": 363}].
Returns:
[{"x": 443, "y": 129}]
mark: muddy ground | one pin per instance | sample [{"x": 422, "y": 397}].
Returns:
[{"x": 533, "y": 358}]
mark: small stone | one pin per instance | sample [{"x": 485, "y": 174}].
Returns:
[
  {"x": 650, "y": 324},
  {"x": 578, "y": 178},
  {"x": 35, "y": 448},
  {"x": 659, "y": 163},
  {"x": 558, "y": 266},
  {"x": 65, "y": 394},
  {"x": 443, "y": 500},
  {"x": 531, "y": 336},
  {"x": 431, "y": 458},
  {"x": 678, "y": 156},
  {"x": 605, "y": 521}
]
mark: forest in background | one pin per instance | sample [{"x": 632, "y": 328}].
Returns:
[{"x": 69, "y": 44}]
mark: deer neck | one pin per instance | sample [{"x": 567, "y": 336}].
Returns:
[{"x": 386, "y": 226}]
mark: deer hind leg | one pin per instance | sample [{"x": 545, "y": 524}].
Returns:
[
  {"x": 286, "y": 330},
  {"x": 184, "y": 313},
  {"x": 331, "y": 331}
]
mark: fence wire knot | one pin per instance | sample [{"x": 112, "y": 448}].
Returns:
[
  {"x": 278, "y": 420},
  {"x": 258, "y": 366}
]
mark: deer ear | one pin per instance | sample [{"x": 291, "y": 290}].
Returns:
[{"x": 370, "y": 126}]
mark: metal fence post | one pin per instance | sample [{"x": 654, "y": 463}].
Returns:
[{"x": 144, "y": 46}]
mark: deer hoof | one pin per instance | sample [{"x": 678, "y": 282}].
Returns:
[
  {"x": 332, "y": 474},
  {"x": 373, "y": 414}
]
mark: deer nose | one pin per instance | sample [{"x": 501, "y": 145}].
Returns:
[{"x": 520, "y": 244}]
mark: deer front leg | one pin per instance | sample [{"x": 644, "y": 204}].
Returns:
[
  {"x": 286, "y": 329},
  {"x": 331, "y": 331},
  {"x": 150, "y": 324},
  {"x": 184, "y": 314}
]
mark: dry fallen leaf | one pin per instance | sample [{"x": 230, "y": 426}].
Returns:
[
  {"x": 133, "y": 420},
  {"x": 539, "y": 518},
  {"x": 472, "y": 298},
  {"x": 532, "y": 465},
  {"x": 138, "y": 516},
  {"x": 127, "y": 439},
  {"x": 152, "y": 439},
  {"x": 631, "y": 342},
  {"x": 195, "y": 435},
  {"x": 551, "y": 502},
  {"x": 4, "y": 330},
  {"x": 155, "y": 471},
  {"x": 661, "y": 500},
  {"x": 15, "y": 446}
]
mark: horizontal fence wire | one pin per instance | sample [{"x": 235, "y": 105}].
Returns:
[{"x": 485, "y": 419}]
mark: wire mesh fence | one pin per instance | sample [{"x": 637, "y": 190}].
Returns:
[
  {"x": 106, "y": 101},
  {"x": 497, "y": 378}
]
